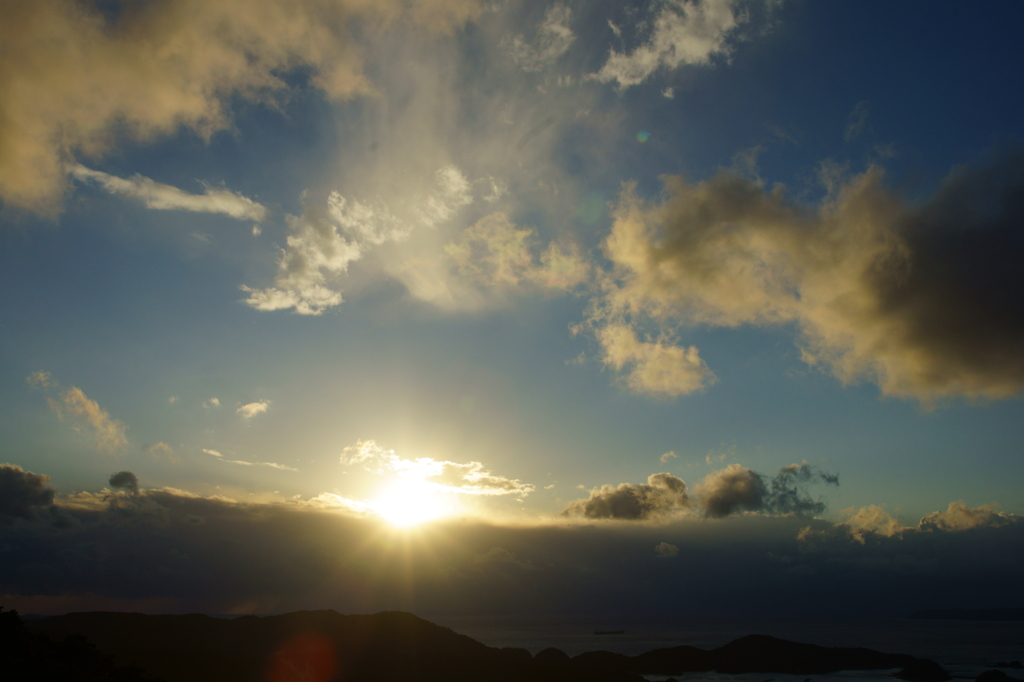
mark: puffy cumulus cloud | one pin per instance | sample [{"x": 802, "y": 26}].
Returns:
[
  {"x": 684, "y": 32},
  {"x": 662, "y": 494},
  {"x": 732, "y": 490},
  {"x": 923, "y": 300},
  {"x": 552, "y": 40},
  {"x": 655, "y": 368},
  {"x": 246, "y": 463},
  {"x": 470, "y": 478},
  {"x": 125, "y": 481},
  {"x": 250, "y": 410},
  {"x": 736, "y": 489},
  {"x": 73, "y": 75},
  {"x": 958, "y": 516},
  {"x": 495, "y": 252},
  {"x": 872, "y": 523},
  {"x": 74, "y": 404},
  {"x": 871, "y": 519},
  {"x": 324, "y": 243},
  {"x": 159, "y": 196},
  {"x": 23, "y": 493}
]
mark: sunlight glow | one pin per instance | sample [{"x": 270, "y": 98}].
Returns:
[{"x": 410, "y": 502}]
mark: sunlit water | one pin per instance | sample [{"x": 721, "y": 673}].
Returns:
[{"x": 964, "y": 648}]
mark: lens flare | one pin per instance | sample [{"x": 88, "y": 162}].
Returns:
[{"x": 643, "y": 136}]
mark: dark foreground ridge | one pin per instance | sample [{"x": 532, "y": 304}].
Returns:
[{"x": 398, "y": 647}]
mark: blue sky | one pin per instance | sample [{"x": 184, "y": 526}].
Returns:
[{"x": 523, "y": 255}]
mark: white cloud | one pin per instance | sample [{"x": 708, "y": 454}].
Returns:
[
  {"x": 212, "y": 402},
  {"x": 470, "y": 478},
  {"x": 250, "y": 410},
  {"x": 324, "y": 243},
  {"x": 163, "y": 197},
  {"x": 685, "y": 32},
  {"x": 242, "y": 462},
  {"x": 670, "y": 455},
  {"x": 668, "y": 93},
  {"x": 553, "y": 39}
]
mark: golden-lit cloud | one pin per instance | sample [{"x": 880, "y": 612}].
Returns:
[
  {"x": 75, "y": 78},
  {"x": 654, "y": 368},
  {"x": 662, "y": 494},
  {"x": 469, "y": 478},
  {"x": 163, "y": 197},
  {"x": 250, "y": 410},
  {"x": 323, "y": 243},
  {"x": 495, "y": 252},
  {"x": 917, "y": 299},
  {"x": 74, "y": 405}
]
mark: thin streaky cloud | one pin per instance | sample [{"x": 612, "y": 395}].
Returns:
[
  {"x": 242, "y": 462},
  {"x": 161, "y": 197}
]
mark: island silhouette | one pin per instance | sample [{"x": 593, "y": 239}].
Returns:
[{"x": 322, "y": 646}]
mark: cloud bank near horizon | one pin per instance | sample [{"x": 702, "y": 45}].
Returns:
[{"x": 273, "y": 557}]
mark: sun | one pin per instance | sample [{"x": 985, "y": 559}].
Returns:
[{"x": 410, "y": 502}]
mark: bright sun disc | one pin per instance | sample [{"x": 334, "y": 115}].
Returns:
[{"x": 409, "y": 503}]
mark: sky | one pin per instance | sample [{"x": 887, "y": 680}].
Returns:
[{"x": 494, "y": 307}]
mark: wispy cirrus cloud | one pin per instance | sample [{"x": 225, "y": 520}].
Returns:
[
  {"x": 242, "y": 462},
  {"x": 553, "y": 37},
  {"x": 161, "y": 197},
  {"x": 73, "y": 405}
]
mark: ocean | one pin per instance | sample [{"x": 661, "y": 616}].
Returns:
[{"x": 964, "y": 648}]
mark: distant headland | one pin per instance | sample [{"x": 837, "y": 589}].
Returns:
[{"x": 391, "y": 647}]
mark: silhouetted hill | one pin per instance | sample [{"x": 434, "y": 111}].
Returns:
[
  {"x": 970, "y": 614},
  {"x": 398, "y": 647},
  {"x": 27, "y": 655},
  {"x": 322, "y": 645}
]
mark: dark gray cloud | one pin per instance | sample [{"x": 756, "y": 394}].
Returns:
[
  {"x": 215, "y": 555},
  {"x": 126, "y": 481},
  {"x": 663, "y": 493},
  {"x": 926, "y": 300},
  {"x": 732, "y": 490},
  {"x": 22, "y": 493}
]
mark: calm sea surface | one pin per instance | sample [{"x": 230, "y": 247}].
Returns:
[{"x": 964, "y": 648}]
